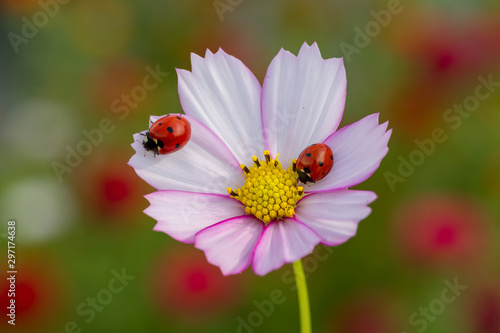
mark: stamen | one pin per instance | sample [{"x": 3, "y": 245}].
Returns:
[
  {"x": 231, "y": 192},
  {"x": 294, "y": 164},
  {"x": 270, "y": 192},
  {"x": 244, "y": 168},
  {"x": 267, "y": 154},
  {"x": 256, "y": 161}
]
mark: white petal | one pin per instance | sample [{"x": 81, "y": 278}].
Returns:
[
  {"x": 334, "y": 215},
  {"x": 283, "y": 241},
  {"x": 204, "y": 165},
  {"x": 303, "y": 100},
  {"x": 357, "y": 150},
  {"x": 223, "y": 94},
  {"x": 182, "y": 214},
  {"x": 230, "y": 244}
]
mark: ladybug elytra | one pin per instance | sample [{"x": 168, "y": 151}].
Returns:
[
  {"x": 314, "y": 163},
  {"x": 167, "y": 135}
]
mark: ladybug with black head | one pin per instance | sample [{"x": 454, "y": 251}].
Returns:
[
  {"x": 167, "y": 135},
  {"x": 314, "y": 163}
]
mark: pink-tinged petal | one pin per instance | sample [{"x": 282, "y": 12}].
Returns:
[
  {"x": 182, "y": 214},
  {"x": 204, "y": 165},
  {"x": 303, "y": 100},
  {"x": 223, "y": 94},
  {"x": 283, "y": 241},
  {"x": 334, "y": 215},
  {"x": 230, "y": 243},
  {"x": 357, "y": 150}
]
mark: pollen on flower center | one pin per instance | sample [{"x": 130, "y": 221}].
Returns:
[{"x": 270, "y": 192}]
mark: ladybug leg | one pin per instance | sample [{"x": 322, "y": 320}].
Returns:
[{"x": 145, "y": 151}]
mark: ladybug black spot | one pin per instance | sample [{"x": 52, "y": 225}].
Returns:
[
  {"x": 170, "y": 129},
  {"x": 308, "y": 154},
  {"x": 331, "y": 157},
  {"x": 320, "y": 163},
  {"x": 307, "y": 170},
  {"x": 323, "y": 174},
  {"x": 159, "y": 124},
  {"x": 178, "y": 117},
  {"x": 177, "y": 145}
]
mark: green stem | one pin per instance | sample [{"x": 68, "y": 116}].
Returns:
[{"x": 305, "y": 312}]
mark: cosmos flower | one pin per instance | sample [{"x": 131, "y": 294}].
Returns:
[{"x": 232, "y": 190}]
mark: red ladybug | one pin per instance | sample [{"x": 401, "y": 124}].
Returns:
[
  {"x": 167, "y": 135},
  {"x": 314, "y": 163}
]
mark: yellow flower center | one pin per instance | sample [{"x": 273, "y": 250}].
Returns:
[{"x": 270, "y": 192}]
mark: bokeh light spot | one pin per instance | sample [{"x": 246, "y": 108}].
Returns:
[
  {"x": 187, "y": 287},
  {"x": 445, "y": 235},
  {"x": 196, "y": 281},
  {"x": 115, "y": 190},
  {"x": 51, "y": 208},
  {"x": 439, "y": 229}
]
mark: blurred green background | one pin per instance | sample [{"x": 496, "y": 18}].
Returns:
[{"x": 70, "y": 67}]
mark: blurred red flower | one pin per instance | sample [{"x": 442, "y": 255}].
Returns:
[
  {"x": 445, "y": 55},
  {"x": 438, "y": 229},
  {"x": 109, "y": 188},
  {"x": 186, "y": 285},
  {"x": 38, "y": 291},
  {"x": 446, "y": 45}
]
